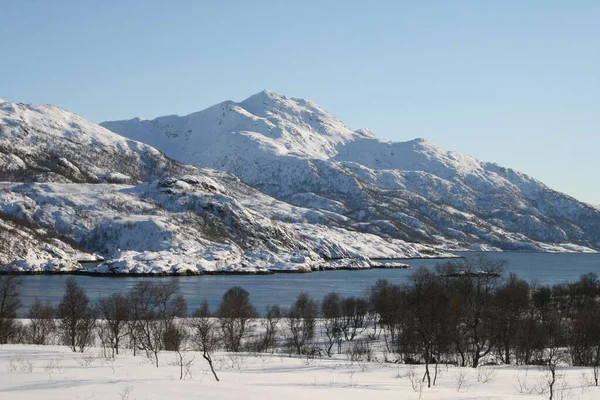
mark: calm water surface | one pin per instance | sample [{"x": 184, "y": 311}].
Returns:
[{"x": 283, "y": 288}]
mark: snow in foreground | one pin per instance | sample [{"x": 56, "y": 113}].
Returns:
[{"x": 54, "y": 372}]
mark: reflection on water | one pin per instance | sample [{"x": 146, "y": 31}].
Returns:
[{"x": 283, "y": 288}]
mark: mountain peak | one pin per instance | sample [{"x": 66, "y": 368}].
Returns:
[
  {"x": 268, "y": 100},
  {"x": 264, "y": 96},
  {"x": 270, "y": 94}
]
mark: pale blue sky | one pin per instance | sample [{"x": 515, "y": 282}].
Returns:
[{"x": 515, "y": 82}]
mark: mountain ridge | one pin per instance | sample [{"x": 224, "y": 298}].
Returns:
[
  {"x": 71, "y": 189},
  {"x": 296, "y": 151}
]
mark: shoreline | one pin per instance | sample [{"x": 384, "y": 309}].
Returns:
[
  {"x": 189, "y": 273},
  {"x": 200, "y": 273},
  {"x": 263, "y": 272}
]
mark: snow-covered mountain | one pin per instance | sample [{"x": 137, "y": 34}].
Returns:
[
  {"x": 48, "y": 144},
  {"x": 295, "y": 151},
  {"x": 73, "y": 189}
]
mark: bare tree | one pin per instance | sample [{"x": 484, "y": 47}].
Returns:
[
  {"x": 154, "y": 308},
  {"x": 331, "y": 312},
  {"x": 355, "y": 312},
  {"x": 388, "y": 302},
  {"x": 175, "y": 339},
  {"x": 554, "y": 353},
  {"x": 77, "y": 317},
  {"x": 114, "y": 311},
  {"x": 511, "y": 303},
  {"x": 9, "y": 304},
  {"x": 472, "y": 283},
  {"x": 300, "y": 320},
  {"x": 144, "y": 319},
  {"x": 204, "y": 334},
  {"x": 41, "y": 322},
  {"x": 169, "y": 302},
  {"x": 235, "y": 314},
  {"x": 270, "y": 322},
  {"x": 427, "y": 301}
]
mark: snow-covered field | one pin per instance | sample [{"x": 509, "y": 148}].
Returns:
[{"x": 54, "y": 372}]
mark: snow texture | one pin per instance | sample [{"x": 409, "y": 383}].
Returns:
[{"x": 54, "y": 372}]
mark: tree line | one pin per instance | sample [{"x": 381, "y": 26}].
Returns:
[{"x": 464, "y": 313}]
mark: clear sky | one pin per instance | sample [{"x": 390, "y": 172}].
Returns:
[{"x": 510, "y": 81}]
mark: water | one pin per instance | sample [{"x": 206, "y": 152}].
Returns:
[{"x": 282, "y": 289}]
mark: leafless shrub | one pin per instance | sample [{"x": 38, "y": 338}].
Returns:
[
  {"x": 86, "y": 360},
  {"x": 360, "y": 350},
  {"x": 53, "y": 366},
  {"x": 125, "y": 392},
  {"x": 460, "y": 379},
  {"x": 351, "y": 373},
  {"x": 412, "y": 378},
  {"x": 485, "y": 375},
  {"x": 26, "y": 367},
  {"x": 204, "y": 334},
  {"x": 13, "y": 365},
  {"x": 109, "y": 362},
  {"x": 522, "y": 386},
  {"x": 41, "y": 324},
  {"x": 586, "y": 382}
]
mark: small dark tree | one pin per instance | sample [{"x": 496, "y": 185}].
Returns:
[
  {"x": 77, "y": 317},
  {"x": 235, "y": 314},
  {"x": 9, "y": 304},
  {"x": 300, "y": 320},
  {"x": 204, "y": 334},
  {"x": 41, "y": 322}
]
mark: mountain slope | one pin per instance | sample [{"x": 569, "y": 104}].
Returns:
[
  {"x": 415, "y": 191},
  {"x": 49, "y": 144},
  {"x": 72, "y": 187}
]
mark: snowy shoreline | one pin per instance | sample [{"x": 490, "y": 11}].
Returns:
[{"x": 200, "y": 273}]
